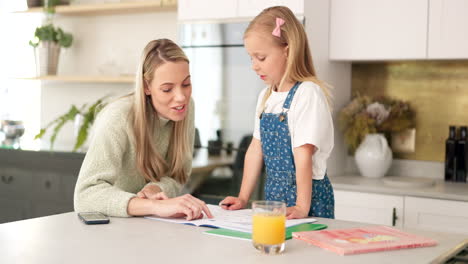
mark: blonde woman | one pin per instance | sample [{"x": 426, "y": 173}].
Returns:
[
  {"x": 293, "y": 132},
  {"x": 140, "y": 154}
]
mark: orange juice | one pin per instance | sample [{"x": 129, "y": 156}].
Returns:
[{"x": 268, "y": 229}]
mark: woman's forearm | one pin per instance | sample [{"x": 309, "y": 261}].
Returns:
[{"x": 140, "y": 207}]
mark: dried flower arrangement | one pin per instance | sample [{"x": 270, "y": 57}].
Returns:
[{"x": 364, "y": 115}]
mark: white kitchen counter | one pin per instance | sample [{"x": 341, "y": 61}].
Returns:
[
  {"x": 440, "y": 190},
  {"x": 65, "y": 239}
]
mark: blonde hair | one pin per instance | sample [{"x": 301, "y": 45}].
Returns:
[
  {"x": 148, "y": 160},
  {"x": 299, "y": 64}
]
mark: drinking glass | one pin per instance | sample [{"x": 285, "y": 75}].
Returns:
[{"x": 269, "y": 226}]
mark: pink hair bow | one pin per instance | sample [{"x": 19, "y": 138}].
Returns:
[{"x": 277, "y": 31}]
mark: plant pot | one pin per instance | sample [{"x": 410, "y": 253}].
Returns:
[
  {"x": 34, "y": 3},
  {"x": 55, "y": 2},
  {"x": 47, "y": 56},
  {"x": 373, "y": 156}
]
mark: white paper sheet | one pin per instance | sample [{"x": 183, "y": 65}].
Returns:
[{"x": 240, "y": 220}]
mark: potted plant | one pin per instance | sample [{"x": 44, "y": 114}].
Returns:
[
  {"x": 47, "y": 43},
  {"x": 83, "y": 118},
  {"x": 367, "y": 123}
]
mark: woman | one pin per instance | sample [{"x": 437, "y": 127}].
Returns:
[{"x": 141, "y": 151}]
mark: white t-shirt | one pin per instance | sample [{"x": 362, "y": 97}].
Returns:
[{"x": 309, "y": 121}]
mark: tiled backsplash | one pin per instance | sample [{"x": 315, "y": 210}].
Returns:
[{"x": 437, "y": 90}]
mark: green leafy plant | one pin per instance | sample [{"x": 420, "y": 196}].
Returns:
[
  {"x": 89, "y": 114},
  {"x": 365, "y": 115},
  {"x": 50, "y": 33}
]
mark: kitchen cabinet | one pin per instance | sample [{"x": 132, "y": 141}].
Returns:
[
  {"x": 251, "y": 8},
  {"x": 230, "y": 9},
  {"x": 14, "y": 209},
  {"x": 436, "y": 214},
  {"x": 402, "y": 211},
  {"x": 206, "y": 9},
  {"x": 398, "y": 29},
  {"x": 369, "y": 208},
  {"x": 26, "y": 193},
  {"x": 378, "y": 30},
  {"x": 448, "y": 38}
]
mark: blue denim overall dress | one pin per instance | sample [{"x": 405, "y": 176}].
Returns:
[{"x": 280, "y": 168}]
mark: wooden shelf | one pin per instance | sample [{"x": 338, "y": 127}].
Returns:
[
  {"x": 83, "y": 79},
  {"x": 111, "y": 8}
]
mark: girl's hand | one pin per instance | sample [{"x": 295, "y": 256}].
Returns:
[
  {"x": 232, "y": 203},
  {"x": 296, "y": 212},
  {"x": 152, "y": 192},
  {"x": 183, "y": 206}
]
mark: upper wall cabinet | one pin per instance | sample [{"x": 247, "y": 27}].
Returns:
[
  {"x": 398, "y": 29},
  {"x": 251, "y": 8},
  {"x": 206, "y": 9},
  {"x": 448, "y": 36},
  {"x": 230, "y": 9},
  {"x": 378, "y": 29}
]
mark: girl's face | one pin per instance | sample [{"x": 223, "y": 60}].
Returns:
[
  {"x": 170, "y": 90},
  {"x": 268, "y": 59}
]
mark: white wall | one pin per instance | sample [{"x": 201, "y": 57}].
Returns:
[
  {"x": 337, "y": 74},
  {"x": 103, "y": 45}
]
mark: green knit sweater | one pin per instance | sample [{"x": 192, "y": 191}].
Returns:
[{"x": 108, "y": 177}]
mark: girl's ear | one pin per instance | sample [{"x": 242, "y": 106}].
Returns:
[{"x": 286, "y": 51}]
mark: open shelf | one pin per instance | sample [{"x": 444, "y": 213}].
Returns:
[
  {"x": 83, "y": 79},
  {"x": 110, "y": 8}
]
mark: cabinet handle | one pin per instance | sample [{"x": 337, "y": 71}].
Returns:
[
  {"x": 394, "y": 217},
  {"x": 7, "y": 180}
]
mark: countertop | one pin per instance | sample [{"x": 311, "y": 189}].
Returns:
[
  {"x": 64, "y": 239},
  {"x": 439, "y": 190}
]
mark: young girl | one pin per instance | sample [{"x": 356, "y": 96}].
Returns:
[{"x": 293, "y": 133}]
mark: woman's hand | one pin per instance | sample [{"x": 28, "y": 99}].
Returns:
[
  {"x": 183, "y": 206},
  {"x": 232, "y": 203},
  {"x": 152, "y": 192},
  {"x": 296, "y": 212}
]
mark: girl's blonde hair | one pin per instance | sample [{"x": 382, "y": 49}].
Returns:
[
  {"x": 299, "y": 64},
  {"x": 148, "y": 160}
]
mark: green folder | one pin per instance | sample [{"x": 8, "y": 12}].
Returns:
[{"x": 248, "y": 236}]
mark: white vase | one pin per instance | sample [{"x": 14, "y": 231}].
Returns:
[{"x": 373, "y": 156}]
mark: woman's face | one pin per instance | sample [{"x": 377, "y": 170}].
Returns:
[{"x": 170, "y": 90}]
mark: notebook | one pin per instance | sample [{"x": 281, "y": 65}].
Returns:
[
  {"x": 248, "y": 236},
  {"x": 363, "y": 240},
  {"x": 239, "y": 220}
]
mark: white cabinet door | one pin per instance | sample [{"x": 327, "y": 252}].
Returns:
[
  {"x": 435, "y": 214},
  {"x": 251, "y": 8},
  {"x": 378, "y": 29},
  {"x": 448, "y": 35},
  {"x": 369, "y": 208},
  {"x": 206, "y": 9}
]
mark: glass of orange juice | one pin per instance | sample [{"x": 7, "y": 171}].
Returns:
[{"x": 269, "y": 226}]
